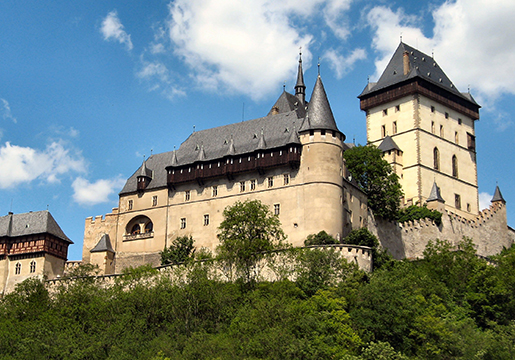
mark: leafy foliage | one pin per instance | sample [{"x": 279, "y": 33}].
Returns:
[
  {"x": 322, "y": 238},
  {"x": 180, "y": 250},
  {"x": 376, "y": 178},
  {"x": 248, "y": 233},
  {"x": 363, "y": 237},
  {"x": 415, "y": 212}
]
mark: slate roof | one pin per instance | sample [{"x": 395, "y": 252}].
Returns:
[
  {"x": 421, "y": 66},
  {"x": 497, "y": 195},
  {"x": 388, "y": 144},
  {"x": 288, "y": 102},
  {"x": 104, "y": 244},
  {"x": 268, "y": 132},
  {"x": 144, "y": 171},
  {"x": 31, "y": 223},
  {"x": 435, "y": 194},
  {"x": 320, "y": 116}
]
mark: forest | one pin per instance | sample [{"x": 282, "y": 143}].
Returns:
[{"x": 451, "y": 305}]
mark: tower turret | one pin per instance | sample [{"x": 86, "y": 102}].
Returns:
[{"x": 300, "y": 88}]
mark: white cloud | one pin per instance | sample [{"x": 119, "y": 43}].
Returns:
[
  {"x": 472, "y": 41},
  {"x": 159, "y": 77},
  {"x": 25, "y": 164},
  {"x": 484, "y": 200},
  {"x": 112, "y": 28},
  {"x": 87, "y": 193},
  {"x": 6, "y": 112},
  {"x": 340, "y": 64}
]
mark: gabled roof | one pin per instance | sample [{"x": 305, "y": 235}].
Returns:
[
  {"x": 104, "y": 244},
  {"x": 497, "y": 195},
  {"x": 320, "y": 116},
  {"x": 31, "y": 223},
  {"x": 388, "y": 144},
  {"x": 420, "y": 66},
  {"x": 435, "y": 194},
  {"x": 288, "y": 102}
]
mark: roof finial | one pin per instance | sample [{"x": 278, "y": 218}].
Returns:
[
  {"x": 469, "y": 88},
  {"x": 368, "y": 79},
  {"x": 318, "y": 66},
  {"x": 151, "y": 151},
  {"x": 401, "y": 36},
  {"x": 193, "y": 128},
  {"x": 284, "y": 85},
  {"x": 433, "y": 53}
]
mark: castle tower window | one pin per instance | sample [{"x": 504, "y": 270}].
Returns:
[
  {"x": 459, "y": 121},
  {"x": 446, "y": 115},
  {"x": 432, "y": 109},
  {"x": 252, "y": 185},
  {"x": 242, "y": 186},
  {"x": 454, "y": 166},
  {"x": 441, "y": 131},
  {"x": 206, "y": 219},
  {"x": 131, "y": 203},
  {"x": 149, "y": 227},
  {"x": 136, "y": 229},
  {"x": 471, "y": 142},
  {"x": 456, "y": 137},
  {"x": 385, "y": 112},
  {"x": 383, "y": 131},
  {"x": 214, "y": 192},
  {"x": 457, "y": 201},
  {"x": 286, "y": 179},
  {"x": 183, "y": 223},
  {"x": 271, "y": 181},
  {"x": 154, "y": 200},
  {"x": 32, "y": 267},
  {"x": 394, "y": 127},
  {"x": 17, "y": 270},
  {"x": 187, "y": 195},
  {"x": 432, "y": 127},
  {"x": 397, "y": 108},
  {"x": 436, "y": 159},
  {"x": 468, "y": 207},
  {"x": 277, "y": 209}
]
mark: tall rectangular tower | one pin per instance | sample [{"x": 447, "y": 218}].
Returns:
[{"x": 425, "y": 128}]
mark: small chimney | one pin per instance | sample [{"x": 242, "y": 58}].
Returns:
[
  {"x": 275, "y": 110},
  {"x": 405, "y": 62}
]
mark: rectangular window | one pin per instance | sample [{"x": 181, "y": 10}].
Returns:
[
  {"x": 252, "y": 185},
  {"x": 277, "y": 209},
  {"x": 183, "y": 223},
  {"x": 271, "y": 181},
  {"x": 214, "y": 193},
  {"x": 441, "y": 131},
  {"x": 286, "y": 179},
  {"x": 18, "y": 269},
  {"x": 242, "y": 186},
  {"x": 471, "y": 142},
  {"x": 457, "y": 201},
  {"x": 187, "y": 195},
  {"x": 206, "y": 219},
  {"x": 456, "y": 137},
  {"x": 446, "y": 115},
  {"x": 432, "y": 127},
  {"x": 459, "y": 121},
  {"x": 397, "y": 108},
  {"x": 385, "y": 112},
  {"x": 32, "y": 266},
  {"x": 432, "y": 109},
  {"x": 130, "y": 204},
  {"x": 383, "y": 131},
  {"x": 394, "y": 127},
  {"x": 154, "y": 200}
]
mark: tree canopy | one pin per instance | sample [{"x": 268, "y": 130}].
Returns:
[
  {"x": 376, "y": 178},
  {"x": 180, "y": 250}
]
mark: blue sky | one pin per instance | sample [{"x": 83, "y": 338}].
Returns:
[{"x": 89, "y": 88}]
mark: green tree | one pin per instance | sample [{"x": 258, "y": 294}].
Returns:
[
  {"x": 376, "y": 178},
  {"x": 181, "y": 250},
  {"x": 322, "y": 238},
  {"x": 248, "y": 233},
  {"x": 415, "y": 212},
  {"x": 363, "y": 237}
]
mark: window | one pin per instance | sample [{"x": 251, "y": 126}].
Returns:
[
  {"x": 397, "y": 108},
  {"x": 468, "y": 207},
  {"x": 383, "y": 131},
  {"x": 277, "y": 209},
  {"x": 385, "y": 112},
  {"x": 459, "y": 121},
  {"x": 271, "y": 181},
  {"x": 18, "y": 269},
  {"x": 446, "y": 115},
  {"x": 432, "y": 109},
  {"x": 32, "y": 266},
  {"x": 454, "y": 166},
  {"x": 252, "y": 185},
  {"x": 242, "y": 186},
  {"x": 432, "y": 127},
  {"x": 187, "y": 195},
  {"x": 436, "y": 159},
  {"x": 154, "y": 200},
  {"x": 286, "y": 178},
  {"x": 394, "y": 127},
  {"x": 214, "y": 192},
  {"x": 149, "y": 227},
  {"x": 471, "y": 142},
  {"x": 457, "y": 201},
  {"x": 441, "y": 131},
  {"x": 456, "y": 137},
  {"x": 136, "y": 229},
  {"x": 206, "y": 219},
  {"x": 130, "y": 204},
  {"x": 183, "y": 223}
]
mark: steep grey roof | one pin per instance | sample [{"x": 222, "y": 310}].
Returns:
[
  {"x": 104, "y": 244},
  {"x": 320, "y": 116},
  {"x": 388, "y": 144},
  {"x": 435, "y": 194},
  {"x": 31, "y": 223},
  {"x": 420, "y": 65},
  {"x": 216, "y": 143},
  {"x": 497, "y": 195},
  {"x": 288, "y": 102}
]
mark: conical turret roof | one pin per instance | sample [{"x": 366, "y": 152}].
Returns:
[
  {"x": 146, "y": 172},
  {"x": 320, "y": 116},
  {"x": 497, "y": 195},
  {"x": 435, "y": 194},
  {"x": 388, "y": 144}
]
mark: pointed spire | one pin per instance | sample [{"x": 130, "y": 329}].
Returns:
[
  {"x": 146, "y": 172},
  {"x": 300, "y": 88},
  {"x": 262, "y": 143},
  {"x": 435, "y": 194},
  {"x": 174, "y": 158},
  {"x": 104, "y": 244},
  {"x": 319, "y": 111},
  {"x": 498, "y": 196},
  {"x": 201, "y": 154}
]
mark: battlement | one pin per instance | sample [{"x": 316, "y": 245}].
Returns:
[{"x": 102, "y": 218}]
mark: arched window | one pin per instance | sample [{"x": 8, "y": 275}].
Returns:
[
  {"x": 18, "y": 269},
  {"x": 138, "y": 225},
  {"x": 436, "y": 159},
  {"x": 149, "y": 227},
  {"x": 454, "y": 166},
  {"x": 135, "y": 229},
  {"x": 32, "y": 266}
]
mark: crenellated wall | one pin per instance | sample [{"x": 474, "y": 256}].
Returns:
[{"x": 489, "y": 232}]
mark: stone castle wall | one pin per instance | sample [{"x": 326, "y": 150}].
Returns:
[{"x": 489, "y": 232}]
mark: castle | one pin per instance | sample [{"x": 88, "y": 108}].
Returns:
[{"x": 291, "y": 160}]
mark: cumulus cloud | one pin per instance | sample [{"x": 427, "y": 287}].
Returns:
[
  {"x": 484, "y": 200},
  {"x": 472, "y": 42},
  {"x": 342, "y": 65},
  {"x": 24, "y": 164},
  {"x": 92, "y": 193},
  {"x": 112, "y": 29},
  {"x": 6, "y": 111},
  {"x": 160, "y": 78}
]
